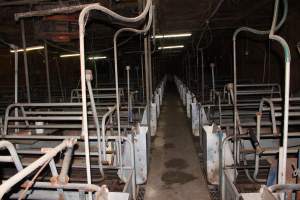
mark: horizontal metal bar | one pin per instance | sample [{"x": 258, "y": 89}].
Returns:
[
  {"x": 56, "y": 118},
  {"x": 47, "y": 104},
  {"x": 41, "y": 13},
  {"x": 6, "y": 159}
]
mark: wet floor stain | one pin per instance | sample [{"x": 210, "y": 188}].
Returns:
[
  {"x": 169, "y": 146},
  {"x": 172, "y": 177},
  {"x": 176, "y": 163}
]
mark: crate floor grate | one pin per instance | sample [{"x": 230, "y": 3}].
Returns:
[
  {"x": 141, "y": 193},
  {"x": 214, "y": 192}
]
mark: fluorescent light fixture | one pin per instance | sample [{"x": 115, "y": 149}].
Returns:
[
  {"x": 172, "y": 35},
  {"x": 97, "y": 57},
  {"x": 69, "y": 55},
  {"x": 77, "y": 55},
  {"x": 171, "y": 47},
  {"x": 28, "y": 49}
]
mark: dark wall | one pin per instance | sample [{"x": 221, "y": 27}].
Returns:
[{"x": 259, "y": 59}]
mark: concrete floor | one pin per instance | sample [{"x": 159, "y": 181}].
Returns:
[{"x": 175, "y": 171}]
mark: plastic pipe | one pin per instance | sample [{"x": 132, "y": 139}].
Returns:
[
  {"x": 254, "y": 31},
  {"x": 287, "y": 55},
  {"x": 147, "y": 28},
  {"x": 82, "y": 22}
]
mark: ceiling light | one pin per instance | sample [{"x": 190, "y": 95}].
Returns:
[
  {"x": 69, "y": 55},
  {"x": 172, "y": 35},
  {"x": 171, "y": 47},
  {"x": 97, "y": 57},
  {"x": 28, "y": 49}
]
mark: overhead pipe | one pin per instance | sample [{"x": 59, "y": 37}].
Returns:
[
  {"x": 258, "y": 32},
  {"x": 53, "y": 11},
  {"x": 82, "y": 22},
  {"x": 146, "y": 29}
]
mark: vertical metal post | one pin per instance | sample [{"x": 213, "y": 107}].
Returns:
[
  {"x": 137, "y": 74},
  {"x": 47, "y": 72},
  {"x": 16, "y": 82},
  {"x": 186, "y": 70},
  {"x": 16, "y": 75},
  {"x": 85, "y": 131},
  {"x": 189, "y": 70},
  {"x": 212, "y": 66},
  {"x": 235, "y": 131},
  {"x": 143, "y": 81},
  {"x": 202, "y": 76},
  {"x": 59, "y": 79},
  {"x": 128, "y": 93},
  {"x": 96, "y": 74},
  {"x": 150, "y": 69},
  {"x": 25, "y": 62},
  {"x": 197, "y": 70},
  {"x": 147, "y": 98}
]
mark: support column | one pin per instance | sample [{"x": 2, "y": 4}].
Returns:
[
  {"x": 47, "y": 72},
  {"x": 25, "y": 62}
]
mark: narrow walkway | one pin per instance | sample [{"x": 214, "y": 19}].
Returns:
[{"x": 175, "y": 172}]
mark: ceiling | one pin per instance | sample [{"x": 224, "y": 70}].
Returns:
[{"x": 171, "y": 16}]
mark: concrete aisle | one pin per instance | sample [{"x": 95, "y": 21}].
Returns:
[{"x": 175, "y": 171}]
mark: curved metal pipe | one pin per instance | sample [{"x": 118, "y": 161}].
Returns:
[
  {"x": 13, "y": 153},
  {"x": 81, "y": 22},
  {"x": 147, "y": 27},
  {"x": 272, "y": 109},
  {"x": 281, "y": 187},
  {"x": 254, "y": 31},
  {"x": 287, "y": 55},
  {"x": 96, "y": 121},
  {"x": 103, "y": 128}
]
